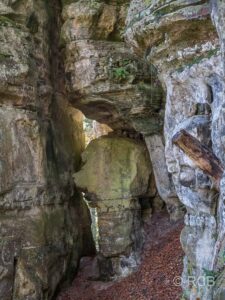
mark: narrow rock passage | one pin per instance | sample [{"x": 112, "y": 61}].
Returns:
[{"x": 161, "y": 263}]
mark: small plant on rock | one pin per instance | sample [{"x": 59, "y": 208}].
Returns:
[{"x": 120, "y": 73}]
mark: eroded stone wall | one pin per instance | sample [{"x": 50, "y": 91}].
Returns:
[
  {"x": 119, "y": 88},
  {"x": 180, "y": 39},
  {"x": 41, "y": 141},
  {"x": 138, "y": 66}
]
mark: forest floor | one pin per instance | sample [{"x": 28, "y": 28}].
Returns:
[{"x": 161, "y": 263}]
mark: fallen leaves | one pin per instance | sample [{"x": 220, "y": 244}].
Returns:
[{"x": 161, "y": 263}]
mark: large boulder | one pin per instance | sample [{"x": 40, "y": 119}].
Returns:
[
  {"x": 114, "y": 168},
  {"x": 115, "y": 173}
]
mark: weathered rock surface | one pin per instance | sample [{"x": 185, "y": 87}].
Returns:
[
  {"x": 116, "y": 172},
  {"x": 163, "y": 179},
  {"x": 118, "y": 85},
  {"x": 119, "y": 88},
  {"x": 41, "y": 235},
  {"x": 94, "y": 129},
  {"x": 138, "y": 66},
  {"x": 114, "y": 168},
  {"x": 179, "y": 38}
]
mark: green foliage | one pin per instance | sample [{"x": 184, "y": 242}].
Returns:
[
  {"x": 120, "y": 73},
  {"x": 121, "y": 69},
  {"x": 210, "y": 273},
  {"x": 5, "y": 21}
]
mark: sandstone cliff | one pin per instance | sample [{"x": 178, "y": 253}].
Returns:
[{"x": 147, "y": 69}]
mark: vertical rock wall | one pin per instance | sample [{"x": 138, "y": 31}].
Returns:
[
  {"x": 41, "y": 135},
  {"x": 40, "y": 234},
  {"x": 179, "y": 38}
]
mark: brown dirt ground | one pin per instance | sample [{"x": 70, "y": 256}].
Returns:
[{"x": 161, "y": 262}]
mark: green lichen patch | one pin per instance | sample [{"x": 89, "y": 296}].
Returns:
[
  {"x": 197, "y": 59},
  {"x": 8, "y": 22},
  {"x": 4, "y": 57}
]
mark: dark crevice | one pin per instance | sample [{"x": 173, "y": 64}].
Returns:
[{"x": 15, "y": 262}]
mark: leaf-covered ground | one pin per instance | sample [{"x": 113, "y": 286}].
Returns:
[{"x": 161, "y": 263}]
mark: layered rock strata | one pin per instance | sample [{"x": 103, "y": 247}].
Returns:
[
  {"x": 115, "y": 174},
  {"x": 179, "y": 38},
  {"x": 40, "y": 234},
  {"x": 111, "y": 84},
  {"x": 114, "y": 81}
]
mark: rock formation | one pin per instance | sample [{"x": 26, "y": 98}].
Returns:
[
  {"x": 115, "y": 174},
  {"x": 93, "y": 130},
  {"x": 41, "y": 234},
  {"x": 147, "y": 69},
  {"x": 119, "y": 88},
  {"x": 179, "y": 38}
]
